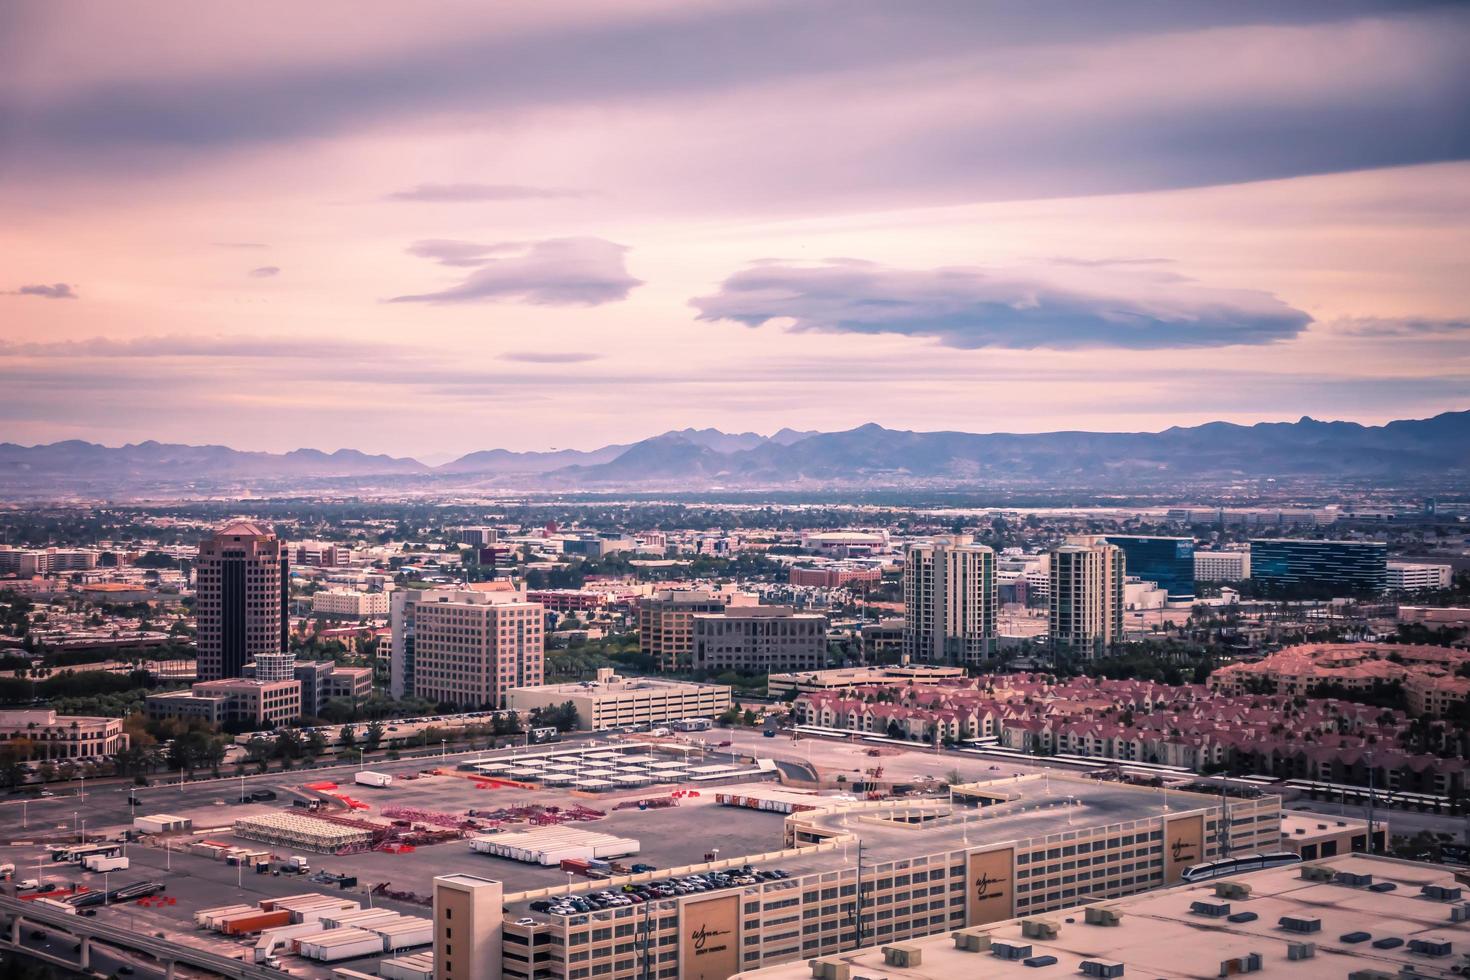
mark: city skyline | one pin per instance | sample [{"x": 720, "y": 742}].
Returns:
[{"x": 535, "y": 228}]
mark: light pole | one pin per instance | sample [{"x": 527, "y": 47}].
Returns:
[
  {"x": 360, "y": 758},
  {"x": 569, "y": 882},
  {"x": 443, "y": 749},
  {"x": 106, "y": 885},
  {"x": 82, "y": 790},
  {"x": 242, "y": 787},
  {"x": 168, "y": 856},
  {"x": 24, "y": 813}
]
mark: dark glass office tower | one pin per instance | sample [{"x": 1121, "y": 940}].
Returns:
[{"x": 1167, "y": 561}]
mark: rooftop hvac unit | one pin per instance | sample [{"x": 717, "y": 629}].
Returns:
[
  {"x": 1040, "y": 928},
  {"x": 1352, "y": 879},
  {"x": 1005, "y": 950},
  {"x": 1232, "y": 889},
  {"x": 1215, "y": 910},
  {"x": 830, "y": 969},
  {"x": 1460, "y": 913},
  {"x": 1431, "y": 947},
  {"x": 1242, "y": 917},
  {"x": 1299, "y": 923},
  {"x": 1047, "y": 960},
  {"x": 903, "y": 955},
  {"x": 1316, "y": 872},
  {"x": 972, "y": 940},
  {"x": 1372, "y": 975},
  {"x": 1301, "y": 951},
  {"x": 1382, "y": 886},
  {"x": 1249, "y": 963},
  {"x": 1101, "y": 915},
  {"x": 1441, "y": 893},
  {"x": 1101, "y": 968}
]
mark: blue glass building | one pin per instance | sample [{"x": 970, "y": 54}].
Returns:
[
  {"x": 1167, "y": 561},
  {"x": 1345, "y": 567}
]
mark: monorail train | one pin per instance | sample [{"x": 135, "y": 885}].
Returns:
[{"x": 1239, "y": 865}]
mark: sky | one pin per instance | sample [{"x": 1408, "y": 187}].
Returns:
[{"x": 460, "y": 226}]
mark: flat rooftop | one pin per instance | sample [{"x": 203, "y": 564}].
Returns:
[
  {"x": 1038, "y": 807},
  {"x": 1158, "y": 935},
  {"x": 619, "y": 686},
  {"x": 1304, "y": 825}
]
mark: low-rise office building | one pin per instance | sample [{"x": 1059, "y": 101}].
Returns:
[
  {"x": 350, "y": 603},
  {"x": 323, "y": 680},
  {"x": 617, "y": 702},
  {"x": 841, "y": 678},
  {"x": 29, "y": 562},
  {"x": 231, "y": 700},
  {"x": 40, "y": 734},
  {"x": 1403, "y": 576},
  {"x": 1310, "y": 921},
  {"x": 666, "y": 622},
  {"x": 759, "y": 639}
]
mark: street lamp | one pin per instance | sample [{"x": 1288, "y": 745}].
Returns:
[
  {"x": 360, "y": 757},
  {"x": 443, "y": 748},
  {"x": 25, "y": 813},
  {"x": 569, "y": 882},
  {"x": 82, "y": 791}
]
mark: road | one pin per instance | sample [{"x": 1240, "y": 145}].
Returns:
[{"x": 105, "y": 959}]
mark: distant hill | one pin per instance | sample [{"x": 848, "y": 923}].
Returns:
[
  {"x": 72, "y": 465},
  {"x": 868, "y": 456}
]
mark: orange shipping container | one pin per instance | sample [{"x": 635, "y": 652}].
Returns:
[{"x": 255, "y": 923}]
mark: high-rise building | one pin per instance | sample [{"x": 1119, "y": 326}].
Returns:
[
  {"x": 469, "y": 647},
  {"x": 1087, "y": 603},
  {"x": 242, "y": 601},
  {"x": 949, "y": 600},
  {"x": 1342, "y": 567},
  {"x": 1168, "y": 562}
]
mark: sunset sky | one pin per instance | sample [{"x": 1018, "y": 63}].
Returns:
[{"x": 433, "y": 228}]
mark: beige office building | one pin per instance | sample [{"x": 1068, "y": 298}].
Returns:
[
  {"x": 471, "y": 647},
  {"x": 949, "y": 602},
  {"x": 666, "y": 624},
  {"x": 759, "y": 639},
  {"x": 616, "y": 702},
  {"x": 1087, "y": 604},
  {"x": 865, "y": 873},
  {"x": 40, "y": 734},
  {"x": 350, "y": 603},
  {"x": 262, "y": 704}
]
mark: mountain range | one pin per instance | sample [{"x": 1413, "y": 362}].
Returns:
[{"x": 869, "y": 456}]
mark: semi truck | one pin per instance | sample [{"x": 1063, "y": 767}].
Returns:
[
  {"x": 378, "y": 779},
  {"x": 99, "y": 862}
]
